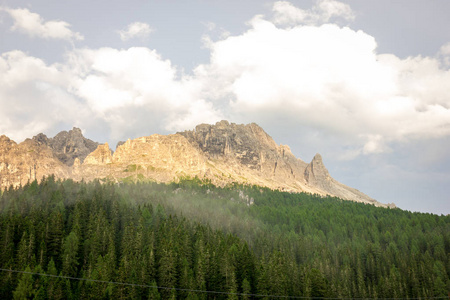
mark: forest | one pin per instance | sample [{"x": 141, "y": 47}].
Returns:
[{"x": 193, "y": 240}]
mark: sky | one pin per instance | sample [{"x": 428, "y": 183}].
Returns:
[{"x": 364, "y": 83}]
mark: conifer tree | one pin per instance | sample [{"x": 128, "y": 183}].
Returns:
[
  {"x": 153, "y": 292},
  {"x": 24, "y": 289},
  {"x": 318, "y": 284},
  {"x": 167, "y": 272},
  {"x": 70, "y": 255},
  {"x": 246, "y": 289}
]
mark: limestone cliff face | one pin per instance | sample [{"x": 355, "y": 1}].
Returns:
[
  {"x": 27, "y": 161},
  {"x": 246, "y": 143},
  {"x": 67, "y": 146},
  {"x": 157, "y": 157},
  {"x": 248, "y": 147},
  {"x": 316, "y": 173},
  {"x": 161, "y": 157},
  {"x": 223, "y": 153},
  {"x": 172, "y": 152},
  {"x": 100, "y": 156}
]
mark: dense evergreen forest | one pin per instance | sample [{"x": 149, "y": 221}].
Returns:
[{"x": 197, "y": 241}]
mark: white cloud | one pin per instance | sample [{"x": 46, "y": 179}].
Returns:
[
  {"x": 123, "y": 90},
  {"x": 130, "y": 89},
  {"x": 35, "y": 26},
  {"x": 116, "y": 78},
  {"x": 135, "y": 30},
  {"x": 198, "y": 111},
  {"x": 375, "y": 144},
  {"x": 330, "y": 78},
  {"x": 322, "y": 12},
  {"x": 33, "y": 96},
  {"x": 326, "y": 77},
  {"x": 331, "y": 8}
]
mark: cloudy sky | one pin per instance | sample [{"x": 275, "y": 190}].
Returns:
[{"x": 364, "y": 83}]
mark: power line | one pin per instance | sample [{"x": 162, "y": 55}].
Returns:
[
  {"x": 197, "y": 291},
  {"x": 145, "y": 285}
]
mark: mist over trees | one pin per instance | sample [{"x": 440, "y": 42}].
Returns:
[{"x": 191, "y": 239}]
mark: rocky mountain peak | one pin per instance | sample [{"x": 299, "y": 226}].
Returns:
[
  {"x": 262, "y": 136},
  {"x": 316, "y": 172},
  {"x": 245, "y": 143},
  {"x": 68, "y": 145},
  {"x": 317, "y": 158},
  {"x": 223, "y": 124},
  {"x": 40, "y": 139},
  {"x": 6, "y": 144},
  {"x": 5, "y": 140}
]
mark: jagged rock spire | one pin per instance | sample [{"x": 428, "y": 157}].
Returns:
[
  {"x": 316, "y": 172},
  {"x": 68, "y": 145}
]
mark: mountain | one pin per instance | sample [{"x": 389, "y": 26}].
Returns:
[
  {"x": 67, "y": 146},
  {"x": 223, "y": 153},
  {"x": 27, "y": 161}
]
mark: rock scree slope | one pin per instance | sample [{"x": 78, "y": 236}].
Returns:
[{"x": 223, "y": 153}]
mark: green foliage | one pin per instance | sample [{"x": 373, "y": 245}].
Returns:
[
  {"x": 319, "y": 287},
  {"x": 132, "y": 168},
  {"x": 246, "y": 289},
  {"x": 153, "y": 292},
  {"x": 70, "y": 255},
  {"x": 191, "y": 235},
  {"x": 24, "y": 289}
]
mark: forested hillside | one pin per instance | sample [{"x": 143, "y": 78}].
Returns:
[{"x": 197, "y": 241}]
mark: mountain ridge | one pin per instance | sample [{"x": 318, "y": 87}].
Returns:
[{"x": 222, "y": 153}]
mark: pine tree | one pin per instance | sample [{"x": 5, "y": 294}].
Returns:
[
  {"x": 167, "y": 272},
  {"x": 318, "y": 284},
  {"x": 70, "y": 255},
  {"x": 56, "y": 286},
  {"x": 153, "y": 292},
  {"x": 201, "y": 267},
  {"x": 7, "y": 253},
  {"x": 232, "y": 287},
  {"x": 24, "y": 289},
  {"x": 40, "y": 283},
  {"x": 55, "y": 235},
  {"x": 246, "y": 289}
]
